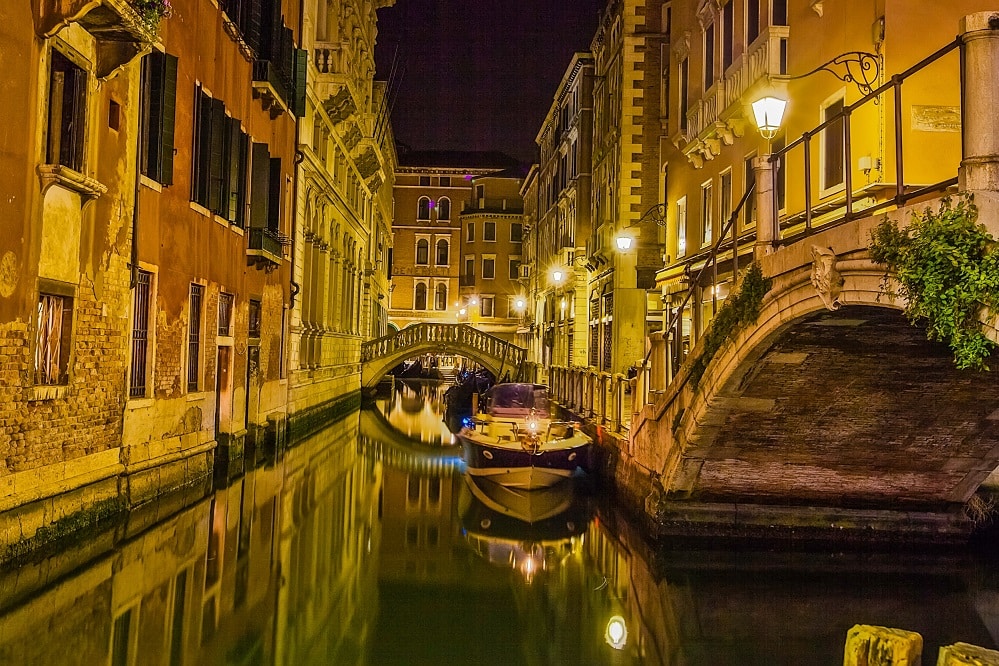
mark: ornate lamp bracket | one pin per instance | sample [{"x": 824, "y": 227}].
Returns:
[
  {"x": 656, "y": 213},
  {"x": 858, "y": 67}
]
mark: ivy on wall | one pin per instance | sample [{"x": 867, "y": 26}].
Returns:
[
  {"x": 946, "y": 265},
  {"x": 739, "y": 310}
]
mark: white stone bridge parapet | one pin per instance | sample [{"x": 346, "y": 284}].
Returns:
[{"x": 494, "y": 354}]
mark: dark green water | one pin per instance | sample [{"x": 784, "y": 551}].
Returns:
[{"x": 360, "y": 546}]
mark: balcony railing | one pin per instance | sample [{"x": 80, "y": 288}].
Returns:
[
  {"x": 487, "y": 205},
  {"x": 265, "y": 247}
]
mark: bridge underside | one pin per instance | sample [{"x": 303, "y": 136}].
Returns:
[{"x": 853, "y": 408}]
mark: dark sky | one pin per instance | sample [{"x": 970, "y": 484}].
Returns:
[{"x": 479, "y": 74}]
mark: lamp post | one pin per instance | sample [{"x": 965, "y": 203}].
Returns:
[{"x": 768, "y": 113}]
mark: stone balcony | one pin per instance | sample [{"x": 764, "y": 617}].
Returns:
[
  {"x": 720, "y": 115},
  {"x": 119, "y": 29}
]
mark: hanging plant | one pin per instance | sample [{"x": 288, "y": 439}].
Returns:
[
  {"x": 946, "y": 265},
  {"x": 739, "y": 310},
  {"x": 153, "y": 11}
]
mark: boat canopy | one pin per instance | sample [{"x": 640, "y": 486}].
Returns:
[{"x": 517, "y": 400}]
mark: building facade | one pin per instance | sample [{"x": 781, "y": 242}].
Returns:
[
  {"x": 342, "y": 236},
  {"x": 437, "y": 197}
]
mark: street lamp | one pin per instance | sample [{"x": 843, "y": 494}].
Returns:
[
  {"x": 558, "y": 276},
  {"x": 624, "y": 242},
  {"x": 520, "y": 303},
  {"x": 769, "y": 111}
]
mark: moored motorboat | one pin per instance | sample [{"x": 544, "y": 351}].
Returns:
[{"x": 516, "y": 443}]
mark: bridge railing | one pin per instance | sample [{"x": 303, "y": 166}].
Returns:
[{"x": 450, "y": 336}]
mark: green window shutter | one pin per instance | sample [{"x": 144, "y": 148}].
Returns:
[
  {"x": 260, "y": 169},
  {"x": 243, "y": 160},
  {"x": 301, "y": 68},
  {"x": 274, "y": 209},
  {"x": 169, "y": 109},
  {"x": 202, "y": 148},
  {"x": 217, "y": 148}
]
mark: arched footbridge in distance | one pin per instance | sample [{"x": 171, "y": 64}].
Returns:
[{"x": 496, "y": 355}]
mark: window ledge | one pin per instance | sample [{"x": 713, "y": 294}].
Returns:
[
  {"x": 70, "y": 179},
  {"x": 139, "y": 403},
  {"x": 39, "y": 393}
]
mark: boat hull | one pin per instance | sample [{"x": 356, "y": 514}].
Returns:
[{"x": 517, "y": 468}]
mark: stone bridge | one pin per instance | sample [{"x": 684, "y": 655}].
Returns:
[
  {"x": 496, "y": 355},
  {"x": 845, "y": 418}
]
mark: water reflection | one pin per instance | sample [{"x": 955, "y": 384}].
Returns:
[
  {"x": 356, "y": 548},
  {"x": 415, "y": 408}
]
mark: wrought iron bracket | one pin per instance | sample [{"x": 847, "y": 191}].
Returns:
[
  {"x": 656, "y": 213},
  {"x": 858, "y": 67}
]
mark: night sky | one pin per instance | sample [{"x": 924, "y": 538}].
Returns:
[{"x": 479, "y": 74}]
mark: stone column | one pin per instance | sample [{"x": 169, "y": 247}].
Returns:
[
  {"x": 766, "y": 211},
  {"x": 980, "y": 167}
]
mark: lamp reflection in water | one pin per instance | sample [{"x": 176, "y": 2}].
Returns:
[{"x": 616, "y": 633}]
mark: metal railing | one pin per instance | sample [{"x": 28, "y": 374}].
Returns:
[
  {"x": 845, "y": 206},
  {"x": 446, "y": 337}
]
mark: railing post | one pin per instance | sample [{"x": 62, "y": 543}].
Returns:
[
  {"x": 657, "y": 359},
  {"x": 980, "y": 125},
  {"x": 766, "y": 211}
]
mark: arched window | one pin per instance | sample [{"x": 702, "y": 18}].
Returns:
[
  {"x": 422, "y": 252},
  {"x": 441, "y": 297},
  {"x": 420, "y": 301},
  {"x": 423, "y": 209},
  {"x": 443, "y": 208},
  {"x": 442, "y": 246}
]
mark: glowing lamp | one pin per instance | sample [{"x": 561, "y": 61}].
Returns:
[
  {"x": 520, "y": 304},
  {"x": 558, "y": 276},
  {"x": 616, "y": 633},
  {"x": 624, "y": 242},
  {"x": 769, "y": 111}
]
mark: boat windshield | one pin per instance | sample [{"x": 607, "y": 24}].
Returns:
[{"x": 518, "y": 400}]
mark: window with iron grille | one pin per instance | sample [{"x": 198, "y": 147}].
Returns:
[
  {"x": 194, "y": 338},
  {"x": 594, "y": 345},
  {"x": 253, "y": 323},
  {"x": 608, "y": 324},
  {"x": 54, "y": 341},
  {"x": 140, "y": 334},
  {"x": 67, "y": 112},
  {"x": 225, "y": 314}
]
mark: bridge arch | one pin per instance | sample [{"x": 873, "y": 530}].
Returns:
[
  {"x": 851, "y": 407},
  {"x": 494, "y": 354}
]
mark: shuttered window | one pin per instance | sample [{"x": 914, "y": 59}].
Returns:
[
  {"x": 220, "y": 165},
  {"x": 158, "y": 103},
  {"x": 67, "y": 112}
]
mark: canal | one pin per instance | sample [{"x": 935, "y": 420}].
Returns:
[{"x": 366, "y": 544}]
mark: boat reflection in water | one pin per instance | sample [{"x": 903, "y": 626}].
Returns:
[{"x": 531, "y": 531}]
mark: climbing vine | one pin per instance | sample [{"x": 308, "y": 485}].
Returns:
[
  {"x": 946, "y": 265},
  {"x": 739, "y": 310}
]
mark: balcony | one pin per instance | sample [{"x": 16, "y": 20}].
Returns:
[
  {"x": 719, "y": 116},
  {"x": 120, "y": 30},
  {"x": 466, "y": 281},
  {"x": 486, "y": 205},
  {"x": 265, "y": 248},
  {"x": 279, "y": 75}
]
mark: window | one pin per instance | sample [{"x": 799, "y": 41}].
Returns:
[
  {"x": 445, "y": 181},
  {"x": 67, "y": 113},
  {"x": 515, "y": 269},
  {"x": 516, "y": 232},
  {"x": 424, "y": 181},
  {"x": 470, "y": 233},
  {"x": 225, "y": 314},
  {"x": 157, "y": 104},
  {"x": 706, "y": 221},
  {"x": 444, "y": 209},
  {"x": 480, "y": 192},
  {"x": 487, "y": 306},
  {"x": 667, "y": 17},
  {"x": 832, "y": 146},
  {"x": 139, "y": 366},
  {"x": 423, "y": 209},
  {"x": 265, "y": 194},
  {"x": 728, "y": 31},
  {"x": 752, "y": 20},
  {"x": 253, "y": 319},
  {"x": 488, "y": 268},
  {"x": 470, "y": 268},
  {"x": 122, "y": 639},
  {"x": 440, "y": 297},
  {"x": 779, "y": 13},
  {"x": 749, "y": 214},
  {"x": 422, "y": 252},
  {"x": 442, "y": 247},
  {"x": 684, "y": 83},
  {"x": 681, "y": 226},
  {"x": 420, "y": 298},
  {"x": 177, "y": 621},
  {"x": 725, "y": 194},
  {"x": 221, "y": 152},
  {"x": 54, "y": 339},
  {"x": 490, "y": 231},
  {"x": 194, "y": 338},
  {"x": 709, "y": 56}
]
